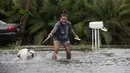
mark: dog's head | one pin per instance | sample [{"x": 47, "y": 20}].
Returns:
[{"x": 31, "y": 54}]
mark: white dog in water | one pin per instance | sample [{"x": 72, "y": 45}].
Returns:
[{"x": 26, "y": 54}]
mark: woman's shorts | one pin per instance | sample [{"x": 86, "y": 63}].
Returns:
[{"x": 62, "y": 42}]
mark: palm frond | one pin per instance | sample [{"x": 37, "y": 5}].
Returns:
[
  {"x": 39, "y": 38},
  {"x": 107, "y": 37}
]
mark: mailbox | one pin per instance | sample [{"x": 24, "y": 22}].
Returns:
[{"x": 96, "y": 25}]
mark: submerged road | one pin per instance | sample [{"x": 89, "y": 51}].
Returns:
[{"x": 103, "y": 61}]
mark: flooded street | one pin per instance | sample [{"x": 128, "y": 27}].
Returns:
[{"x": 103, "y": 61}]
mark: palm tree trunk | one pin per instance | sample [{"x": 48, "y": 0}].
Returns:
[
  {"x": 25, "y": 17},
  {"x": 27, "y": 6}
]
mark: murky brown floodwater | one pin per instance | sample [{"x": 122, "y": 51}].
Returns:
[{"x": 104, "y": 61}]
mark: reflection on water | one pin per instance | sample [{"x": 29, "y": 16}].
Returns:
[{"x": 104, "y": 61}]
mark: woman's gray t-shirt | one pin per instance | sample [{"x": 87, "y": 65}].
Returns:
[{"x": 61, "y": 31}]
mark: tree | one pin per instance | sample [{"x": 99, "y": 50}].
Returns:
[
  {"x": 114, "y": 14},
  {"x": 41, "y": 16},
  {"x": 81, "y": 12},
  {"x": 24, "y": 18}
]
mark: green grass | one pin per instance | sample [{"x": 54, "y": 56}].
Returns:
[
  {"x": 11, "y": 47},
  {"x": 82, "y": 48},
  {"x": 74, "y": 48}
]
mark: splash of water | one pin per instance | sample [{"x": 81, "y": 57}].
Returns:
[{"x": 50, "y": 54}]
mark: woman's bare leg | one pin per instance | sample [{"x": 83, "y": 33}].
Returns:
[
  {"x": 68, "y": 50},
  {"x": 56, "y": 48}
]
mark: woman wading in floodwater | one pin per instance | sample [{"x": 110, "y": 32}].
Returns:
[{"x": 60, "y": 34}]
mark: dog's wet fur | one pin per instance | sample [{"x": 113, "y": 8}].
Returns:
[{"x": 26, "y": 54}]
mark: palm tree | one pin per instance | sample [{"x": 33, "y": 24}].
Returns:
[
  {"x": 114, "y": 14},
  {"x": 9, "y": 12},
  {"x": 40, "y": 16},
  {"x": 24, "y": 18},
  {"x": 49, "y": 13},
  {"x": 81, "y": 12}
]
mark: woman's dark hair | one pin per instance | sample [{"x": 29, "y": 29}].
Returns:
[{"x": 64, "y": 15}]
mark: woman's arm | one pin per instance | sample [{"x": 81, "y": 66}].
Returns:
[
  {"x": 76, "y": 36},
  {"x": 74, "y": 33},
  {"x": 52, "y": 32},
  {"x": 54, "y": 29},
  {"x": 71, "y": 29}
]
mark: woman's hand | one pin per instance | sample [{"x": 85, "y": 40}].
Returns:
[
  {"x": 50, "y": 35},
  {"x": 77, "y": 38}
]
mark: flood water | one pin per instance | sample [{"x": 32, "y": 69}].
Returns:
[{"x": 103, "y": 61}]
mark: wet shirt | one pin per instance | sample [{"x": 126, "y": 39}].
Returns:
[{"x": 61, "y": 31}]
